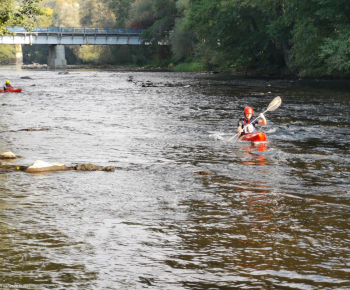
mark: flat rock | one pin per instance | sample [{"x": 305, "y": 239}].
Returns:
[
  {"x": 8, "y": 155},
  {"x": 41, "y": 166}
]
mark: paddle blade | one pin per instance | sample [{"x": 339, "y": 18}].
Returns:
[{"x": 274, "y": 104}]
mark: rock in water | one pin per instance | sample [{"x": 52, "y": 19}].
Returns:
[
  {"x": 92, "y": 167},
  {"x": 41, "y": 166},
  {"x": 8, "y": 155},
  {"x": 87, "y": 167},
  {"x": 207, "y": 172}
]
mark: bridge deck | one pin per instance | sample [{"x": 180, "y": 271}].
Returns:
[
  {"x": 73, "y": 36},
  {"x": 77, "y": 30}
]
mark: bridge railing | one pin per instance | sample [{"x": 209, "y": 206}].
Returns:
[{"x": 81, "y": 30}]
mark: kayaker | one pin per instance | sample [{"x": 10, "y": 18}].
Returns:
[
  {"x": 246, "y": 125},
  {"x": 7, "y": 85}
]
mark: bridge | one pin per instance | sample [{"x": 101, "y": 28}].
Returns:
[{"x": 57, "y": 37}]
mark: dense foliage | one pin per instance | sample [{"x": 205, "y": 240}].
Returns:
[
  {"x": 16, "y": 14},
  {"x": 298, "y": 37},
  {"x": 22, "y": 14},
  {"x": 306, "y": 37}
]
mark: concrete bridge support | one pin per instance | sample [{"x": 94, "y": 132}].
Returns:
[
  {"x": 19, "y": 54},
  {"x": 18, "y": 59},
  {"x": 57, "y": 57}
]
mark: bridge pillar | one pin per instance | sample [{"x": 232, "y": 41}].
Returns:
[
  {"x": 18, "y": 59},
  {"x": 19, "y": 54},
  {"x": 57, "y": 57}
]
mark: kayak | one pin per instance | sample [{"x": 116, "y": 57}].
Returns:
[
  {"x": 11, "y": 91},
  {"x": 254, "y": 137}
]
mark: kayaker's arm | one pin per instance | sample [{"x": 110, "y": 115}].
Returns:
[
  {"x": 239, "y": 130},
  {"x": 263, "y": 120}
]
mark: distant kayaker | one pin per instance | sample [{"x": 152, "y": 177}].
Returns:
[
  {"x": 7, "y": 85},
  {"x": 246, "y": 125}
]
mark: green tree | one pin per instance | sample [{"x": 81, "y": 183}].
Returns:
[
  {"x": 320, "y": 37},
  {"x": 46, "y": 19},
  {"x": 95, "y": 13},
  {"x": 234, "y": 34},
  {"x": 182, "y": 38},
  {"x": 120, "y": 9},
  {"x": 141, "y": 15},
  {"x": 158, "y": 16},
  {"x": 65, "y": 13},
  {"x": 7, "y": 52},
  {"x": 165, "y": 13},
  {"x": 24, "y": 15},
  {"x": 307, "y": 36}
]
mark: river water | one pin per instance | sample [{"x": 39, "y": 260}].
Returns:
[{"x": 271, "y": 216}]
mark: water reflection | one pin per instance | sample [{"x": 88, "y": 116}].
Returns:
[{"x": 253, "y": 153}]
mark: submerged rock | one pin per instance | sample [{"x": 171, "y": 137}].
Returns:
[
  {"x": 8, "y": 155},
  {"x": 11, "y": 168},
  {"x": 41, "y": 166},
  {"x": 257, "y": 94},
  {"x": 207, "y": 172},
  {"x": 92, "y": 167},
  {"x": 32, "y": 129},
  {"x": 87, "y": 167}
]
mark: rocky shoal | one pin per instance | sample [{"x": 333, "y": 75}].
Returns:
[{"x": 41, "y": 166}]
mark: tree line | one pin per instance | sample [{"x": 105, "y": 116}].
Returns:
[{"x": 308, "y": 38}]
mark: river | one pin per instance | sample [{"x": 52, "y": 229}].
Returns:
[{"x": 273, "y": 216}]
